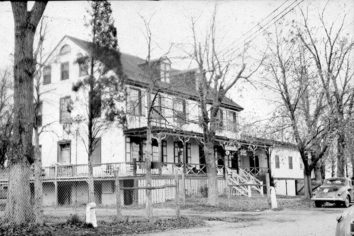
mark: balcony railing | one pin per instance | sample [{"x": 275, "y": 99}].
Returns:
[{"x": 133, "y": 169}]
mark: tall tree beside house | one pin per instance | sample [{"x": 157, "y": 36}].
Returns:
[
  {"x": 217, "y": 75},
  {"x": 333, "y": 60},
  {"x": 288, "y": 74},
  {"x": 103, "y": 45},
  {"x": 18, "y": 207}
]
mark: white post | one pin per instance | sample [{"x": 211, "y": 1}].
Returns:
[
  {"x": 273, "y": 198},
  {"x": 249, "y": 191}
]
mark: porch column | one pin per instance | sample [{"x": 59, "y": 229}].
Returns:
[
  {"x": 269, "y": 172},
  {"x": 184, "y": 172},
  {"x": 159, "y": 145}
]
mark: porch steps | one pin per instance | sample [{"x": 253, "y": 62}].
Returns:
[{"x": 243, "y": 183}]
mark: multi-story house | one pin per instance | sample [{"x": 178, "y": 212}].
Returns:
[{"x": 176, "y": 131}]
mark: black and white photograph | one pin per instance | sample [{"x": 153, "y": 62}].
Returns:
[{"x": 175, "y": 117}]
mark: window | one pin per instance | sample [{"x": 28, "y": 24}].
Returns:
[
  {"x": 165, "y": 72},
  {"x": 96, "y": 153},
  {"x": 220, "y": 119},
  {"x": 277, "y": 162},
  {"x": 189, "y": 153},
  {"x": 64, "y": 152},
  {"x": 128, "y": 157},
  {"x": 65, "y": 109},
  {"x": 155, "y": 150},
  {"x": 231, "y": 121},
  {"x": 164, "y": 151},
  {"x": 290, "y": 162},
  {"x": 64, "y": 71},
  {"x": 156, "y": 112},
  {"x": 134, "y": 102},
  {"x": 179, "y": 110},
  {"x": 83, "y": 64},
  {"x": 178, "y": 152},
  {"x": 65, "y": 50},
  {"x": 38, "y": 110},
  {"x": 47, "y": 70}
]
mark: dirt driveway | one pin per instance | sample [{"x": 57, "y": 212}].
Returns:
[{"x": 321, "y": 222}]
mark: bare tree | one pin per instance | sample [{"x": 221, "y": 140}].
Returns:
[
  {"x": 18, "y": 207},
  {"x": 288, "y": 74},
  {"x": 219, "y": 72},
  {"x": 103, "y": 57},
  {"x": 6, "y": 115},
  {"x": 331, "y": 53}
]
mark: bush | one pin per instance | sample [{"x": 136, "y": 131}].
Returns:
[
  {"x": 74, "y": 220},
  {"x": 204, "y": 191}
]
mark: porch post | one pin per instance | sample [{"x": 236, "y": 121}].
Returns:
[
  {"x": 269, "y": 172},
  {"x": 159, "y": 145},
  {"x": 184, "y": 172}
]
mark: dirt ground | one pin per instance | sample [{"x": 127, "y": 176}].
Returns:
[
  {"x": 287, "y": 222},
  {"x": 295, "y": 218}
]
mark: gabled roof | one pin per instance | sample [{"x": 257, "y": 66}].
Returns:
[{"x": 180, "y": 82}]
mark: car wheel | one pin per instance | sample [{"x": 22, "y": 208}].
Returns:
[
  {"x": 318, "y": 203},
  {"x": 347, "y": 202}
]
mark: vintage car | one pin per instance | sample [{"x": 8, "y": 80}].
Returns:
[{"x": 334, "y": 190}]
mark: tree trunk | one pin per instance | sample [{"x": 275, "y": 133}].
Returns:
[
  {"x": 340, "y": 154},
  {"x": 90, "y": 183},
  {"x": 318, "y": 172},
  {"x": 307, "y": 184},
  {"x": 212, "y": 174},
  {"x": 38, "y": 188},
  {"x": 148, "y": 159},
  {"x": 148, "y": 172},
  {"x": 18, "y": 207}
]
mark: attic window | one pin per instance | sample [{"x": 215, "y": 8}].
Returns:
[
  {"x": 65, "y": 49},
  {"x": 165, "y": 72}
]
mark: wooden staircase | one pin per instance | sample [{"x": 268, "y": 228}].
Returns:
[{"x": 243, "y": 183}]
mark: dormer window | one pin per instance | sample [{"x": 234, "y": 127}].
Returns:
[
  {"x": 165, "y": 72},
  {"x": 65, "y": 49}
]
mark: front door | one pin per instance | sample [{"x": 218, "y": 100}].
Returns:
[
  {"x": 234, "y": 161},
  {"x": 254, "y": 164}
]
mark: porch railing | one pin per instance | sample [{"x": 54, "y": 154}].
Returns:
[
  {"x": 256, "y": 170},
  {"x": 136, "y": 168},
  {"x": 125, "y": 169}
]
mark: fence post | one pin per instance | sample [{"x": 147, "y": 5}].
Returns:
[
  {"x": 249, "y": 190},
  {"x": 177, "y": 195},
  {"x": 262, "y": 188},
  {"x": 117, "y": 187}
]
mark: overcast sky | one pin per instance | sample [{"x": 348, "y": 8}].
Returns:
[{"x": 170, "y": 24}]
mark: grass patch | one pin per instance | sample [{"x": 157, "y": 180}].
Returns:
[{"x": 104, "y": 228}]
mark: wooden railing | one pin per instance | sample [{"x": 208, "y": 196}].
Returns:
[
  {"x": 138, "y": 169},
  {"x": 125, "y": 169}
]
